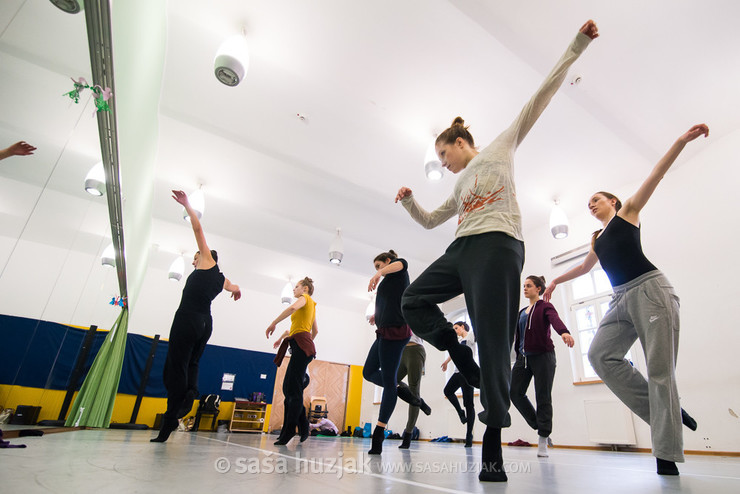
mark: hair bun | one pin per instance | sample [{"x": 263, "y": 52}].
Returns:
[
  {"x": 458, "y": 121},
  {"x": 543, "y": 280}
]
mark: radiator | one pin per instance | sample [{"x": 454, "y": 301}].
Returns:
[{"x": 609, "y": 422}]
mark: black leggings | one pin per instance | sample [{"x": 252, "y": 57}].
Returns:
[
  {"x": 188, "y": 337},
  {"x": 293, "y": 387},
  {"x": 457, "y": 381},
  {"x": 381, "y": 368}
]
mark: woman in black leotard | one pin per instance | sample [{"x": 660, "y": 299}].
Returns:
[
  {"x": 644, "y": 306},
  {"x": 191, "y": 327}
]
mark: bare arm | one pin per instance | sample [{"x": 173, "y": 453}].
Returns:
[
  {"x": 393, "y": 267},
  {"x": 314, "y": 329},
  {"x": 280, "y": 340},
  {"x": 298, "y": 304},
  {"x": 236, "y": 293},
  {"x": 632, "y": 206},
  {"x": 20, "y": 148},
  {"x": 583, "y": 268},
  {"x": 207, "y": 261}
]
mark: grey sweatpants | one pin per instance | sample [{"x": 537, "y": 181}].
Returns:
[{"x": 644, "y": 308}]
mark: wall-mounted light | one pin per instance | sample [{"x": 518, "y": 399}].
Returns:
[
  {"x": 177, "y": 269},
  {"x": 432, "y": 166},
  {"x": 69, "y": 6},
  {"x": 558, "y": 221},
  {"x": 198, "y": 202},
  {"x": 232, "y": 60},
  {"x": 108, "y": 258},
  {"x": 95, "y": 180},
  {"x": 286, "y": 296},
  {"x": 336, "y": 249}
]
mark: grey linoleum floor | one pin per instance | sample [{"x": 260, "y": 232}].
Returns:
[{"x": 203, "y": 462}]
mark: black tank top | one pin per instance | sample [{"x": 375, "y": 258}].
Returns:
[
  {"x": 620, "y": 252},
  {"x": 201, "y": 288}
]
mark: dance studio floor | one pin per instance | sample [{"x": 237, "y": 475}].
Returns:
[{"x": 125, "y": 461}]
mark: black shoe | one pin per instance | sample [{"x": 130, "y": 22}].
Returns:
[
  {"x": 462, "y": 357},
  {"x": 666, "y": 467},
  {"x": 377, "y": 444},
  {"x": 463, "y": 418},
  {"x": 688, "y": 420},
  {"x": 169, "y": 424},
  {"x": 424, "y": 407},
  {"x": 405, "y": 441}
]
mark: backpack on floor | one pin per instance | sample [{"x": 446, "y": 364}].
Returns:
[
  {"x": 415, "y": 434},
  {"x": 210, "y": 403}
]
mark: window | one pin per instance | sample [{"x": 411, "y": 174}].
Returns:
[{"x": 587, "y": 299}]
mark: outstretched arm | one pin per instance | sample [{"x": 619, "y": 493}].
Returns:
[
  {"x": 583, "y": 268},
  {"x": 207, "y": 261},
  {"x": 537, "y": 104},
  {"x": 298, "y": 304},
  {"x": 428, "y": 220},
  {"x": 632, "y": 206},
  {"x": 20, "y": 148}
]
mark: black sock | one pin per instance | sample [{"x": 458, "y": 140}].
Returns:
[
  {"x": 666, "y": 467},
  {"x": 463, "y": 419},
  {"x": 492, "y": 465},
  {"x": 377, "y": 444},
  {"x": 405, "y": 441},
  {"x": 169, "y": 424},
  {"x": 424, "y": 407},
  {"x": 688, "y": 420},
  {"x": 303, "y": 427},
  {"x": 285, "y": 435}
]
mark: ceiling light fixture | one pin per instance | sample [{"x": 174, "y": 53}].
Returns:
[
  {"x": 432, "y": 166},
  {"x": 69, "y": 6},
  {"x": 198, "y": 202},
  {"x": 232, "y": 60},
  {"x": 108, "y": 258},
  {"x": 95, "y": 180},
  {"x": 286, "y": 296},
  {"x": 336, "y": 249},
  {"x": 177, "y": 269},
  {"x": 558, "y": 221}
]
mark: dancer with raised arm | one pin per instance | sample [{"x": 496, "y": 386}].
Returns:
[
  {"x": 644, "y": 306},
  {"x": 457, "y": 381},
  {"x": 191, "y": 327},
  {"x": 381, "y": 366},
  {"x": 485, "y": 260},
  {"x": 303, "y": 330}
]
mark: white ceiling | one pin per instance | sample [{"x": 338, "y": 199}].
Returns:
[{"x": 375, "y": 81}]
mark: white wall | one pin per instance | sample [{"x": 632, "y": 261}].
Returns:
[{"x": 691, "y": 232}]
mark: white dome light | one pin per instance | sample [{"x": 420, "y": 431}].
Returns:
[
  {"x": 198, "y": 202},
  {"x": 95, "y": 180},
  {"x": 177, "y": 269},
  {"x": 232, "y": 60},
  {"x": 558, "y": 222},
  {"x": 336, "y": 249},
  {"x": 432, "y": 166}
]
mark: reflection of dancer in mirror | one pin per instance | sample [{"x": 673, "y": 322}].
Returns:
[
  {"x": 303, "y": 330},
  {"x": 644, "y": 306},
  {"x": 393, "y": 334},
  {"x": 191, "y": 327},
  {"x": 20, "y": 148},
  {"x": 457, "y": 381},
  {"x": 412, "y": 365},
  {"x": 535, "y": 357},
  {"x": 485, "y": 260}
]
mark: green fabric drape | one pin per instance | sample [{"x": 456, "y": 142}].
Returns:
[{"x": 93, "y": 405}]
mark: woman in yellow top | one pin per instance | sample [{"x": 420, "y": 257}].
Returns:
[{"x": 303, "y": 330}]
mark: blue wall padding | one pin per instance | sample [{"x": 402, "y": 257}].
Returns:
[{"x": 42, "y": 354}]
